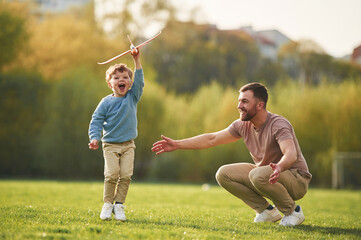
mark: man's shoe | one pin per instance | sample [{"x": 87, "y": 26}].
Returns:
[
  {"x": 268, "y": 216},
  {"x": 107, "y": 210},
  {"x": 119, "y": 212},
  {"x": 294, "y": 219}
]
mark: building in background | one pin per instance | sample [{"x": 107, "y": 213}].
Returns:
[
  {"x": 356, "y": 55},
  {"x": 268, "y": 41}
]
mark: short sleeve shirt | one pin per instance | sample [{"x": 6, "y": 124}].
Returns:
[{"x": 263, "y": 143}]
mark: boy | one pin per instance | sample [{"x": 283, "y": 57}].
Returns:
[{"x": 116, "y": 116}]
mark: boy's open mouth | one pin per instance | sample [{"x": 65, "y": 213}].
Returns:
[{"x": 121, "y": 86}]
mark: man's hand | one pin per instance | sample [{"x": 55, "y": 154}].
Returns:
[
  {"x": 165, "y": 145},
  {"x": 93, "y": 144},
  {"x": 276, "y": 173}
]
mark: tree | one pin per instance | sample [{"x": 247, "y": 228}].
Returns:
[
  {"x": 13, "y": 33},
  {"x": 307, "y": 62},
  {"x": 298, "y": 59},
  {"x": 150, "y": 112},
  {"x": 188, "y": 56},
  {"x": 21, "y": 118},
  {"x": 57, "y": 45},
  {"x": 269, "y": 72},
  {"x": 62, "y": 145}
]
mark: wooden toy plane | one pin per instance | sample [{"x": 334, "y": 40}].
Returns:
[{"x": 133, "y": 49}]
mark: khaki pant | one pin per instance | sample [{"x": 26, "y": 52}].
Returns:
[
  {"x": 250, "y": 183},
  {"x": 118, "y": 170}
]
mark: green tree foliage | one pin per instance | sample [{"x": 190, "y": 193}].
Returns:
[
  {"x": 150, "y": 110},
  {"x": 67, "y": 45},
  {"x": 269, "y": 72},
  {"x": 22, "y": 97},
  {"x": 306, "y": 62},
  {"x": 212, "y": 108},
  {"x": 325, "y": 119},
  {"x": 13, "y": 33},
  {"x": 230, "y": 57},
  {"x": 62, "y": 146}
]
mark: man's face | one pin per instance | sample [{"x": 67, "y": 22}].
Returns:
[
  {"x": 120, "y": 83},
  {"x": 247, "y": 105}
]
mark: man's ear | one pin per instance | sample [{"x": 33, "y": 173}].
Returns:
[{"x": 260, "y": 105}]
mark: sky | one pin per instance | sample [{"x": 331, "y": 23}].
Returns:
[{"x": 335, "y": 25}]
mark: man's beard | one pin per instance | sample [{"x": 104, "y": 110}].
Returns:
[{"x": 249, "y": 114}]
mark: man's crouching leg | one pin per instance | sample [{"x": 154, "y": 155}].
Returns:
[
  {"x": 290, "y": 187},
  {"x": 234, "y": 178}
]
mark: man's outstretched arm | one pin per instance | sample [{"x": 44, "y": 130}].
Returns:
[{"x": 202, "y": 141}]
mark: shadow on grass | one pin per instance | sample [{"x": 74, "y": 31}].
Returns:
[
  {"x": 351, "y": 232},
  {"x": 331, "y": 230},
  {"x": 163, "y": 223}
]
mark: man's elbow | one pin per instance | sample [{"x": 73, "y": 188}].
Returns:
[{"x": 212, "y": 140}]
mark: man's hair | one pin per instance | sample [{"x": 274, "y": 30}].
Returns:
[
  {"x": 259, "y": 91},
  {"x": 117, "y": 67}
]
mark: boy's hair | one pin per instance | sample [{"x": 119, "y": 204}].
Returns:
[
  {"x": 118, "y": 67},
  {"x": 258, "y": 89}
]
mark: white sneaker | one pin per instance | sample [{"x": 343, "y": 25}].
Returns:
[
  {"x": 294, "y": 219},
  {"x": 268, "y": 216},
  {"x": 107, "y": 210},
  {"x": 119, "y": 212}
]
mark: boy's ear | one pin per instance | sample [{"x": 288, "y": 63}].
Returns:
[{"x": 110, "y": 86}]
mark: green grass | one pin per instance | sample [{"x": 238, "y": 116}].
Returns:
[{"x": 70, "y": 210}]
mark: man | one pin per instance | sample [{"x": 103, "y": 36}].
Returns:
[{"x": 280, "y": 172}]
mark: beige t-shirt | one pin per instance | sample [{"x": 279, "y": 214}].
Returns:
[{"x": 263, "y": 144}]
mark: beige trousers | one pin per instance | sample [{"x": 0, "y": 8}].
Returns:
[
  {"x": 118, "y": 170},
  {"x": 250, "y": 184}
]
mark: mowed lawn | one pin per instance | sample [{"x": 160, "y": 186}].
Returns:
[{"x": 70, "y": 210}]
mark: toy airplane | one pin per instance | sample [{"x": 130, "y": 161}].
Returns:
[{"x": 133, "y": 49}]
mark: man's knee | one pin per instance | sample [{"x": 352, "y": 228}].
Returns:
[
  {"x": 221, "y": 174},
  {"x": 260, "y": 175}
]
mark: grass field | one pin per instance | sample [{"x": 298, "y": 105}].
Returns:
[{"x": 70, "y": 210}]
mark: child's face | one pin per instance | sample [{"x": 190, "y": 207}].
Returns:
[{"x": 120, "y": 83}]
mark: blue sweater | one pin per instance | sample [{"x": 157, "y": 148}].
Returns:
[{"x": 117, "y": 116}]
